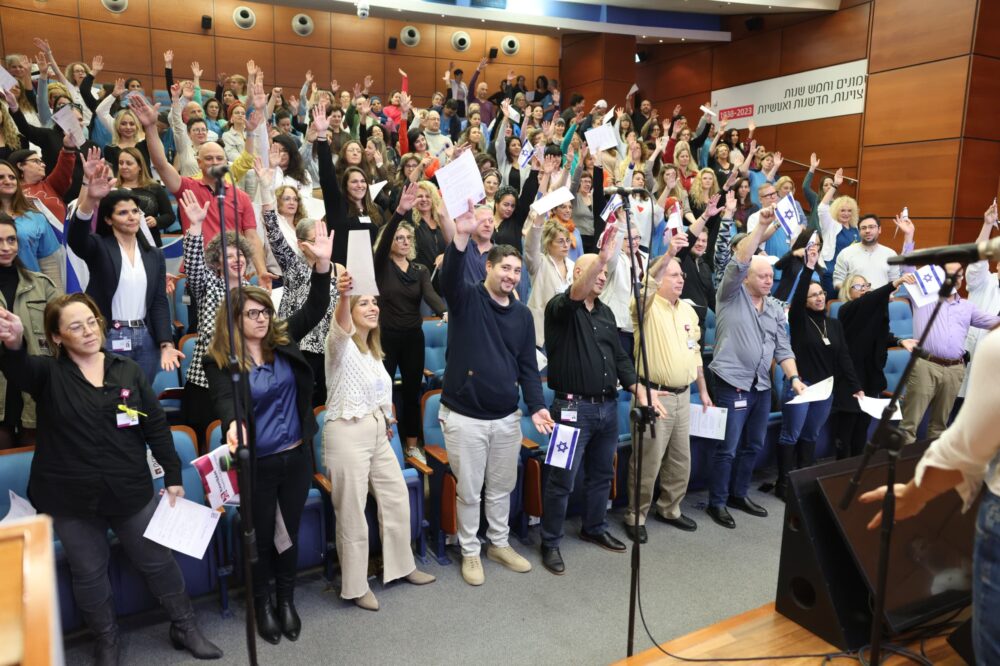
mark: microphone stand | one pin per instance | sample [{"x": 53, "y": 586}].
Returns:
[
  {"x": 640, "y": 416},
  {"x": 242, "y": 451},
  {"x": 891, "y": 439}
]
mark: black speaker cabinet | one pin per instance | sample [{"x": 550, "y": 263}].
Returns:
[
  {"x": 206, "y": 22},
  {"x": 493, "y": 52},
  {"x": 393, "y": 42},
  {"x": 819, "y": 586}
]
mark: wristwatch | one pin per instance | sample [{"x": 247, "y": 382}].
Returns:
[{"x": 793, "y": 378}]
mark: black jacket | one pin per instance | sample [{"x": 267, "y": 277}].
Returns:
[
  {"x": 304, "y": 320},
  {"x": 104, "y": 259},
  {"x": 866, "y": 329},
  {"x": 84, "y": 464}
]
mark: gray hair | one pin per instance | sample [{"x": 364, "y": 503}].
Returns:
[{"x": 304, "y": 226}]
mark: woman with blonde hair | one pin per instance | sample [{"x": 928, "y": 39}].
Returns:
[
  {"x": 10, "y": 138},
  {"x": 546, "y": 256},
  {"x": 125, "y": 128},
  {"x": 686, "y": 170},
  {"x": 357, "y": 452},
  {"x": 428, "y": 215},
  {"x": 276, "y": 387},
  {"x": 838, "y": 223}
]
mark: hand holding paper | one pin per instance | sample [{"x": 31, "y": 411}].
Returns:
[
  {"x": 815, "y": 393},
  {"x": 460, "y": 181}
]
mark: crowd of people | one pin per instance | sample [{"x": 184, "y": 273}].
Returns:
[{"x": 308, "y": 167}]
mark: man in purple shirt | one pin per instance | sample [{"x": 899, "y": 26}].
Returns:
[
  {"x": 939, "y": 372},
  {"x": 481, "y": 92}
]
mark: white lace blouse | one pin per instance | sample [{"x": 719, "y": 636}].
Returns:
[{"x": 356, "y": 383}]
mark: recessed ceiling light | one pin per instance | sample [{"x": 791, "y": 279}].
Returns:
[
  {"x": 483, "y": 20},
  {"x": 644, "y": 36},
  {"x": 683, "y": 39},
  {"x": 661, "y": 41}
]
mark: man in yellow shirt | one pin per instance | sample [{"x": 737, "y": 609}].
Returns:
[{"x": 672, "y": 333}]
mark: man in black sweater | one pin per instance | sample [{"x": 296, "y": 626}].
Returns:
[{"x": 491, "y": 351}]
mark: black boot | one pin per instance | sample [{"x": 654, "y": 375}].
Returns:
[
  {"x": 786, "y": 458},
  {"x": 184, "y": 632},
  {"x": 806, "y": 454},
  {"x": 289, "y": 620},
  {"x": 104, "y": 625},
  {"x": 840, "y": 448},
  {"x": 267, "y": 622}
]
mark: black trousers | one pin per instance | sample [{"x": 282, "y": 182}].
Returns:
[
  {"x": 318, "y": 364},
  {"x": 850, "y": 431},
  {"x": 281, "y": 480},
  {"x": 405, "y": 350}
]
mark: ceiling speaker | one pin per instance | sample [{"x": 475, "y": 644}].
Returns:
[
  {"x": 510, "y": 45},
  {"x": 302, "y": 25},
  {"x": 409, "y": 35},
  {"x": 116, "y": 6},
  {"x": 460, "y": 40},
  {"x": 244, "y": 18}
]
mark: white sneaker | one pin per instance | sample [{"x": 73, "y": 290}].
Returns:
[
  {"x": 508, "y": 557},
  {"x": 472, "y": 570},
  {"x": 416, "y": 452}
]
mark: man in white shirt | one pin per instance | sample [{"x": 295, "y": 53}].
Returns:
[
  {"x": 984, "y": 289},
  {"x": 617, "y": 294},
  {"x": 868, "y": 257}
]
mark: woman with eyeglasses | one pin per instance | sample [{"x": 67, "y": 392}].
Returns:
[
  {"x": 821, "y": 351},
  {"x": 403, "y": 285},
  {"x": 546, "y": 256},
  {"x": 838, "y": 222},
  {"x": 864, "y": 315},
  {"x": 96, "y": 414},
  {"x": 276, "y": 386}
]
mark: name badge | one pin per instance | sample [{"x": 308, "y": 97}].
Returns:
[
  {"x": 740, "y": 404},
  {"x": 568, "y": 415},
  {"x": 121, "y": 345},
  {"x": 126, "y": 420},
  {"x": 364, "y": 219},
  {"x": 826, "y": 341},
  {"x": 692, "y": 344}
]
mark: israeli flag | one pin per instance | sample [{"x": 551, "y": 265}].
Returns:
[
  {"x": 527, "y": 152},
  {"x": 675, "y": 218},
  {"x": 788, "y": 217},
  {"x": 562, "y": 446},
  {"x": 614, "y": 203},
  {"x": 929, "y": 280}
]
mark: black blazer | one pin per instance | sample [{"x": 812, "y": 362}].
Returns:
[
  {"x": 104, "y": 259},
  {"x": 304, "y": 320}
]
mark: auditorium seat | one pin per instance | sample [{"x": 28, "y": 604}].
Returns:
[
  {"x": 833, "y": 307},
  {"x": 186, "y": 345},
  {"x": 901, "y": 318},
  {"x": 708, "y": 335},
  {"x": 895, "y": 363}
]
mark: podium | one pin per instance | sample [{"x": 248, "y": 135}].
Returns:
[{"x": 29, "y": 607}]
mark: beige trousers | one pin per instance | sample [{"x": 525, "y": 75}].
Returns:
[
  {"x": 667, "y": 455},
  {"x": 930, "y": 385},
  {"x": 358, "y": 456}
]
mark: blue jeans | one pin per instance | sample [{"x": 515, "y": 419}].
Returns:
[
  {"x": 595, "y": 450},
  {"x": 144, "y": 350},
  {"x": 745, "y": 431},
  {"x": 986, "y": 581},
  {"x": 802, "y": 422}
]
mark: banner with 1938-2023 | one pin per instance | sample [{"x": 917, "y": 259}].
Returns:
[{"x": 819, "y": 93}]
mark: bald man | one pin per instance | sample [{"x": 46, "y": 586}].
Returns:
[
  {"x": 238, "y": 206},
  {"x": 750, "y": 333}
]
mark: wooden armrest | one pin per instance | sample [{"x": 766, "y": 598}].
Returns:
[
  {"x": 437, "y": 453},
  {"x": 528, "y": 444},
  {"x": 428, "y": 373},
  {"x": 419, "y": 466},
  {"x": 887, "y": 394},
  {"x": 178, "y": 323},
  {"x": 323, "y": 482},
  {"x": 173, "y": 393}
]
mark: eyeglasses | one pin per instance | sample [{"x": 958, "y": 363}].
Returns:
[
  {"x": 402, "y": 238},
  {"x": 253, "y": 314},
  {"x": 35, "y": 160},
  {"x": 769, "y": 194},
  {"x": 863, "y": 286},
  {"x": 80, "y": 327}
]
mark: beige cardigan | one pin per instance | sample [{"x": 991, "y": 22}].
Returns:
[{"x": 545, "y": 280}]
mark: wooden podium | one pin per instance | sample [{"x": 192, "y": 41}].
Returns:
[{"x": 29, "y": 609}]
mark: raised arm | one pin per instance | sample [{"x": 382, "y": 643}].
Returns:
[
  {"x": 584, "y": 284},
  {"x": 147, "y": 116}
]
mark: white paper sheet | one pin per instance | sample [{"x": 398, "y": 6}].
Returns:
[
  {"x": 601, "y": 138},
  {"x": 541, "y": 360},
  {"x": 608, "y": 115},
  {"x": 562, "y": 446},
  {"x": 633, "y": 90},
  {"x": 19, "y": 508},
  {"x": 705, "y": 109},
  {"x": 514, "y": 116},
  {"x": 814, "y": 393},
  {"x": 67, "y": 120},
  {"x": 710, "y": 424},
  {"x": 375, "y": 188},
  {"x": 925, "y": 290},
  {"x": 551, "y": 200},
  {"x": 186, "y": 527},
  {"x": 7, "y": 81},
  {"x": 875, "y": 407},
  {"x": 144, "y": 228},
  {"x": 460, "y": 181},
  {"x": 315, "y": 208},
  {"x": 360, "y": 264}
]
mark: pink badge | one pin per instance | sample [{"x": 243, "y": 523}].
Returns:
[{"x": 125, "y": 393}]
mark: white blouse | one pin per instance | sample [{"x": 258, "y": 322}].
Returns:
[
  {"x": 356, "y": 383},
  {"x": 973, "y": 440},
  {"x": 129, "y": 301}
]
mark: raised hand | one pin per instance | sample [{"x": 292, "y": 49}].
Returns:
[
  {"x": 677, "y": 242},
  {"x": 320, "y": 121},
  {"x": 344, "y": 283},
  {"x": 321, "y": 247},
  {"x": 402, "y": 73},
  {"x": 838, "y": 177},
  {"x": 404, "y": 103},
  {"x": 42, "y": 45},
  {"x": 309, "y": 76},
  {"x": 96, "y": 65},
  {"x": 146, "y": 114},
  {"x": 812, "y": 255},
  {"x": 251, "y": 69},
  {"x": 119, "y": 88},
  {"x": 11, "y": 329},
  {"x": 466, "y": 223},
  {"x": 778, "y": 160},
  {"x": 730, "y": 203},
  {"x": 407, "y": 198},
  {"x": 187, "y": 90},
  {"x": 751, "y": 125},
  {"x": 196, "y": 70},
  {"x": 265, "y": 175},
  {"x": 175, "y": 92},
  {"x": 168, "y": 59},
  {"x": 608, "y": 250},
  {"x": 990, "y": 216},
  {"x": 713, "y": 205},
  {"x": 194, "y": 211},
  {"x": 904, "y": 224},
  {"x": 101, "y": 179},
  {"x": 813, "y": 161},
  {"x": 766, "y": 216}
]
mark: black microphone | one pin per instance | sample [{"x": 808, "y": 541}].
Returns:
[
  {"x": 625, "y": 191},
  {"x": 218, "y": 171},
  {"x": 965, "y": 253}
]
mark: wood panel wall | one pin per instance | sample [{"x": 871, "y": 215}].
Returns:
[
  {"x": 341, "y": 47},
  {"x": 930, "y": 135}
]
